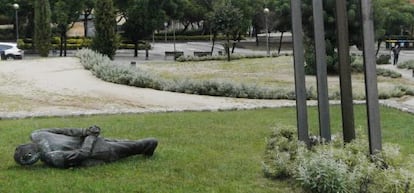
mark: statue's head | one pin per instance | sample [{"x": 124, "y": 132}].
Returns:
[{"x": 27, "y": 154}]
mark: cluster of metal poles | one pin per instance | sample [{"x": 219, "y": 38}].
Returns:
[{"x": 371, "y": 87}]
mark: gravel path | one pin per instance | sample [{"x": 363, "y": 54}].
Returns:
[{"x": 61, "y": 87}]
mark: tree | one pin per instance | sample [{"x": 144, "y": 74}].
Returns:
[
  {"x": 281, "y": 18},
  {"x": 192, "y": 13},
  {"x": 247, "y": 10},
  {"x": 88, "y": 6},
  {"x": 227, "y": 19},
  {"x": 355, "y": 33},
  {"x": 42, "y": 27},
  {"x": 106, "y": 39},
  {"x": 142, "y": 18},
  {"x": 65, "y": 13}
]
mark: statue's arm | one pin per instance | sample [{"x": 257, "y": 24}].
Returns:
[
  {"x": 84, "y": 152},
  {"x": 76, "y": 132}
]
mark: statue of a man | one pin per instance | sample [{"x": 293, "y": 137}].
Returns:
[{"x": 71, "y": 147}]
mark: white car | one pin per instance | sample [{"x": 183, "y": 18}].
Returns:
[{"x": 9, "y": 51}]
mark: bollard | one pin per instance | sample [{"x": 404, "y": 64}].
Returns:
[{"x": 133, "y": 63}]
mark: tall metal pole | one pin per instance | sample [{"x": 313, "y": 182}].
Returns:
[
  {"x": 321, "y": 70},
  {"x": 266, "y": 12},
  {"x": 173, "y": 35},
  {"x": 345, "y": 71},
  {"x": 300, "y": 87},
  {"x": 16, "y": 7},
  {"x": 165, "y": 31},
  {"x": 371, "y": 85}
]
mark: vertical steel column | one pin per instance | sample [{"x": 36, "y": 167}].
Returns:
[
  {"x": 321, "y": 70},
  {"x": 371, "y": 85},
  {"x": 300, "y": 87},
  {"x": 345, "y": 71}
]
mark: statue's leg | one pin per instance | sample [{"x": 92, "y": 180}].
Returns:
[{"x": 128, "y": 148}]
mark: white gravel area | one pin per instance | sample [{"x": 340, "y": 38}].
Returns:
[{"x": 61, "y": 87}]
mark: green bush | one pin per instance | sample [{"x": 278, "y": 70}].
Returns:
[
  {"x": 334, "y": 167},
  {"x": 409, "y": 64},
  {"x": 170, "y": 37},
  {"x": 7, "y": 34},
  {"x": 321, "y": 173},
  {"x": 384, "y": 59},
  {"x": 217, "y": 57},
  {"x": 280, "y": 153},
  {"x": 75, "y": 43},
  {"x": 357, "y": 65},
  {"x": 388, "y": 73}
]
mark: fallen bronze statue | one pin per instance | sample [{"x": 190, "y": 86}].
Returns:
[{"x": 72, "y": 147}]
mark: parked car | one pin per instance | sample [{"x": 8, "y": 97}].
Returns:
[{"x": 10, "y": 51}]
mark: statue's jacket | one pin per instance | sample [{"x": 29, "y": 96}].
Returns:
[{"x": 67, "y": 147}]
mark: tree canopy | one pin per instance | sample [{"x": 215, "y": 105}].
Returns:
[
  {"x": 142, "y": 19},
  {"x": 393, "y": 18},
  {"x": 106, "y": 38}
]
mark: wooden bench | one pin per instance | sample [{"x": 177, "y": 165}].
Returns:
[
  {"x": 201, "y": 54},
  {"x": 175, "y": 54}
]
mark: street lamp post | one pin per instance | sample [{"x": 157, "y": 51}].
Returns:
[
  {"x": 165, "y": 31},
  {"x": 16, "y": 7},
  {"x": 266, "y": 12},
  {"x": 173, "y": 35}
]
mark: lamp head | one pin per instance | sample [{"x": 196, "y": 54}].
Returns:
[{"x": 16, "y": 6}]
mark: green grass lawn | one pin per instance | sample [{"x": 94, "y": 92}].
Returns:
[{"x": 198, "y": 151}]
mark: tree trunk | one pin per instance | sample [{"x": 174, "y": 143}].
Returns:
[
  {"x": 65, "y": 44},
  {"x": 379, "y": 41},
  {"x": 234, "y": 43},
  {"x": 146, "y": 53},
  {"x": 186, "y": 25},
  {"x": 61, "y": 45},
  {"x": 214, "y": 41},
  {"x": 228, "y": 48},
  {"x": 136, "y": 49},
  {"x": 255, "y": 35},
  {"x": 280, "y": 43},
  {"x": 85, "y": 24}
]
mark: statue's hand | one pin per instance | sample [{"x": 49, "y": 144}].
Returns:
[
  {"x": 76, "y": 156},
  {"x": 93, "y": 130}
]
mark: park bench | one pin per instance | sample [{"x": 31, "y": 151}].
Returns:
[
  {"x": 175, "y": 54},
  {"x": 201, "y": 54}
]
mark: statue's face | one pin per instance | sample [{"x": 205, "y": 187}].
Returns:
[{"x": 27, "y": 154}]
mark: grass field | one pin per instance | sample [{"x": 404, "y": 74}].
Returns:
[{"x": 198, "y": 151}]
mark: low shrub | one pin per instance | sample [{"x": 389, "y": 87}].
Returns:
[
  {"x": 280, "y": 153},
  {"x": 103, "y": 68},
  {"x": 124, "y": 74},
  {"x": 357, "y": 66},
  {"x": 334, "y": 167},
  {"x": 409, "y": 64},
  {"x": 7, "y": 34},
  {"x": 75, "y": 43},
  {"x": 388, "y": 73},
  {"x": 384, "y": 59},
  {"x": 170, "y": 37},
  {"x": 218, "y": 57}
]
